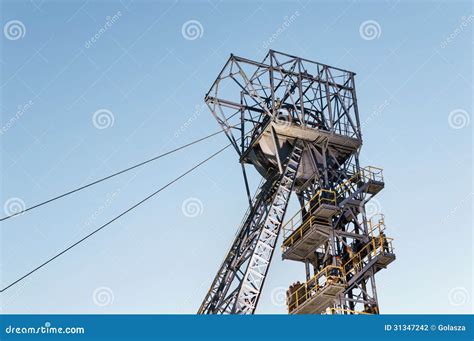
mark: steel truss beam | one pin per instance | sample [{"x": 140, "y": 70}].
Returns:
[
  {"x": 247, "y": 95},
  {"x": 239, "y": 281},
  {"x": 350, "y": 225},
  {"x": 246, "y": 99}
]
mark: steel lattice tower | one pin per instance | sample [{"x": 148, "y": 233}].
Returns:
[{"x": 297, "y": 122}]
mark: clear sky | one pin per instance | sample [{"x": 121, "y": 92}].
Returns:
[{"x": 139, "y": 70}]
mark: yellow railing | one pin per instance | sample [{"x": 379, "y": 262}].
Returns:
[
  {"x": 376, "y": 224},
  {"x": 297, "y": 225},
  {"x": 290, "y": 237},
  {"x": 343, "y": 187},
  {"x": 369, "y": 173},
  {"x": 329, "y": 275},
  {"x": 329, "y": 196},
  {"x": 339, "y": 311},
  {"x": 376, "y": 246},
  {"x": 299, "y": 219}
]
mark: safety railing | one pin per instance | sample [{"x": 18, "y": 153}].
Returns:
[
  {"x": 345, "y": 129},
  {"x": 369, "y": 173},
  {"x": 376, "y": 224},
  {"x": 303, "y": 217},
  {"x": 292, "y": 237},
  {"x": 328, "y": 276},
  {"x": 378, "y": 245},
  {"x": 377, "y": 233},
  {"x": 372, "y": 173},
  {"x": 343, "y": 311},
  {"x": 325, "y": 196}
]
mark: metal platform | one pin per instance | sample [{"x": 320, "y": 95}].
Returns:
[
  {"x": 384, "y": 259},
  {"x": 353, "y": 202},
  {"x": 375, "y": 254},
  {"x": 325, "y": 211},
  {"x": 368, "y": 180},
  {"x": 303, "y": 241},
  {"x": 374, "y": 186},
  {"x": 373, "y": 179},
  {"x": 318, "y": 293},
  {"x": 266, "y": 149},
  {"x": 310, "y": 227},
  {"x": 319, "y": 301},
  {"x": 305, "y": 133}
]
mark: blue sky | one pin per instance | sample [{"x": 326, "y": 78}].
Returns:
[{"x": 414, "y": 87}]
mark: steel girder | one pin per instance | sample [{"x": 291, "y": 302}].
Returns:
[
  {"x": 248, "y": 95},
  {"x": 350, "y": 225},
  {"x": 245, "y": 99},
  {"x": 239, "y": 281}
]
